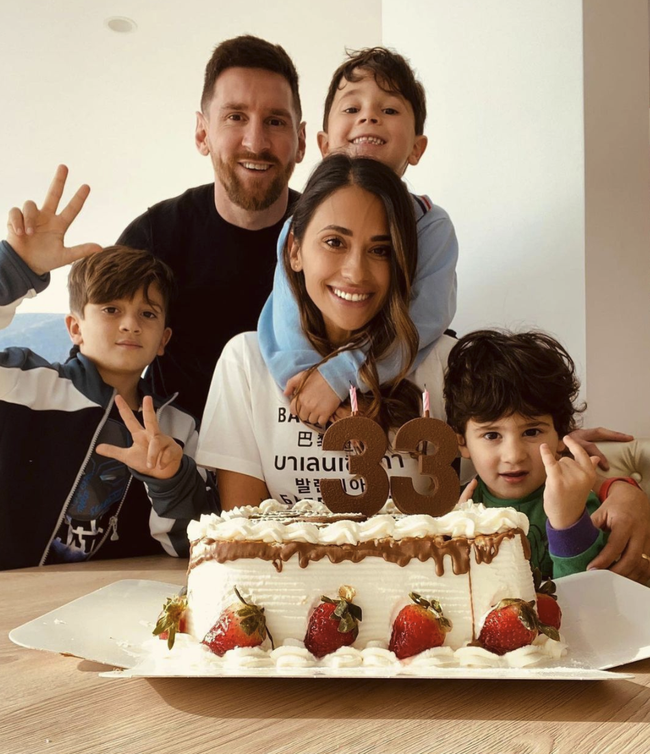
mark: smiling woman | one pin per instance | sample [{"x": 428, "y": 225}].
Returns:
[
  {"x": 345, "y": 260},
  {"x": 350, "y": 258},
  {"x": 353, "y": 230}
]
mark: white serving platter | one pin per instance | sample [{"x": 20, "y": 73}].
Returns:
[
  {"x": 606, "y": 623},
  {"x": 107, "y": 626},
  {"x": 606, "y": 616}
]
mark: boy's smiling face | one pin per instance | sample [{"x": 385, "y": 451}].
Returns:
[
  {"x": 506, "y": 454},
  {"x": 123, "y": 336},
  {"x": 367, "y": 121}
]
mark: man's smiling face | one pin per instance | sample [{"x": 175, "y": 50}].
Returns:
[{"x": 251, "y": 132}]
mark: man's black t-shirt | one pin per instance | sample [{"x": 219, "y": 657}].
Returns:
[{"x": 224, "y": 275}]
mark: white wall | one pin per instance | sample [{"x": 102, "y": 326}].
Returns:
[
  {"x": 617, "y": 191},
  {"x": 540, "y": 245},
  {"x": 553, "y": 228},
  {"x": 119, "y": 109},
  {"x": 504, "y": 84}
]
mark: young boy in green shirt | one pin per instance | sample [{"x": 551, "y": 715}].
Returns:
[{"x": 510, "y": 398}]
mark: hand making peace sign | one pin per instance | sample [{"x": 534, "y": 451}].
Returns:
[
  {"x": 36, "y": 235},
  {"x": 152, "y": 453}
]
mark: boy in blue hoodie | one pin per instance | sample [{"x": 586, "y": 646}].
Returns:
[{"x": 375, "y": 107}]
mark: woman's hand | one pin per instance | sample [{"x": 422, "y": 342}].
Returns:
[
  {"x": 237, "y": 489},
  {"x": 153, "y": 453}
]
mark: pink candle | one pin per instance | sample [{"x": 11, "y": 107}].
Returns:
[
  {"x": 425, "y": 402},
  {"x": 353, "y": 399}
]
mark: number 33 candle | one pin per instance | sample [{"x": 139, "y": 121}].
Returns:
[{"x": 367, "y": 464}]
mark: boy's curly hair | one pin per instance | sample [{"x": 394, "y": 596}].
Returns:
[
  {"x": 495, "y": 373},
  {"x": 392, "y": 73}
]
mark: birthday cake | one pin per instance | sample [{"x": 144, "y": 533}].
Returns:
[{"x": 385, "y": 575}]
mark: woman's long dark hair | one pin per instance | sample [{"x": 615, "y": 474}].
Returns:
[{"x": 396, "y": 401}]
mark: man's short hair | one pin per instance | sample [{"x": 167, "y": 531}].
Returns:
[
  {"x": 248, "y": 51},
  {"x": 392, "y": 73},
  {"x": 118, "y": 272},
  {"x": 493, "y": 373}
]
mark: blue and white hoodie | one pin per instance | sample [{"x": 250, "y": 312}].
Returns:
[{"x": 51, "y": 416}]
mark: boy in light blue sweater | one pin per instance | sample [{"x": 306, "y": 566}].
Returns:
[{"x": 374, "y": 108}]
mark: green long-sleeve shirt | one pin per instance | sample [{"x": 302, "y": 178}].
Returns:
[{"x": 563, "y": 556}]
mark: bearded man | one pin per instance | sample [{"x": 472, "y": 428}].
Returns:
[{"x": 220, "y": 238}]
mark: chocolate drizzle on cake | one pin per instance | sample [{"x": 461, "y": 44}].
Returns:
[{"x": 401, "y": 552}]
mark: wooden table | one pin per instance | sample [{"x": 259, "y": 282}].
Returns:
[{"x": 50, "y": 703}]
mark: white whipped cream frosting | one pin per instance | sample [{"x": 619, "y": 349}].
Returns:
[
  {"x": 190, "y": 657},
  {"x": 466, "y": 520}
]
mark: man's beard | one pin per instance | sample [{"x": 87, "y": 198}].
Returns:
[{"x": 257, "y": 198}]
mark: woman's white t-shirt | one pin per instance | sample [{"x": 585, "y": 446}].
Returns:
[{"x": 247, "y": 426}]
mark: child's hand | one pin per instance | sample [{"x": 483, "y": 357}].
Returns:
[
  {"x": 152, "y": 452},
  {"x": 36, "y": 235},
  {"x": 467, "y": 493},
  {"x": 316, "y": 402},
  {"x": 568, "y": 483}
]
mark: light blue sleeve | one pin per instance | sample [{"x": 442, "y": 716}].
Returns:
[
  {"x": 433, "y": 299},
  {"x": 285, "y": 348},
  {"x": 287, "y": 351}
]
